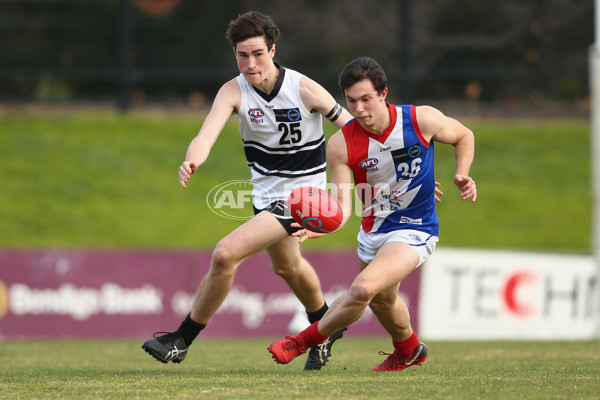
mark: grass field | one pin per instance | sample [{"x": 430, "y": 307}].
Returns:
[
  {"x": 243, "y": 369},
  {"x": 99, "y": 179}
]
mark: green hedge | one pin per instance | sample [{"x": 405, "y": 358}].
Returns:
[{"x": 100, "y": 179}]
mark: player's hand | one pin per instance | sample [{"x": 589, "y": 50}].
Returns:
[
  {"x": 186, "y": 169},
  {"x": 467, "y": 187},
  {"x": 438, "y": 192},
  {"x": 304, "y": 234}
]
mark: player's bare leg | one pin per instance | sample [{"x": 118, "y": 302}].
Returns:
[
  {"x": 394, "y": 261},
  {"x": 302, "y": 279},
  {"x": 255, "y": 235},
  {"x": 388, "y": 307},
  {"x": 374, "y": 278},
  {"x": 230, "y": 252},
  {"x": 296, "y": 271},
  {"x": 392, "y": 312}
]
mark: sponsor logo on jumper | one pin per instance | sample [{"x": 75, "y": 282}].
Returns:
[
  {"x": 287, "y": 115},
  {"x": 406, "y": 154},
  {"x": 385, "y": 149},
  {"x": 407, "y": 162},
  {"x": 396, "y": 196},
  {"x": 407, "y": 220},
  {"x": 368, "y": 163},
  {"x": 256, "y": 115}
]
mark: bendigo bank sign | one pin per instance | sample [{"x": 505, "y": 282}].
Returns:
[
  {"x": 132, "y": 294},
  {"x": 456, "y": 294}
]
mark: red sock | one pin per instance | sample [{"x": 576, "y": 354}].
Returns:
[
  {"x": 406, "y": 347},
  {"x": 311, "y": 337}
]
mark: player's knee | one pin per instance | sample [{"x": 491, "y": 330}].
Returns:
[
  {"x": 288, "y": 267},
  {"x": 383, "y": 302},
  {"x": 380, "y": 306},
  {"x": 360, "y": 294},
  {"x": 286, "y": 270},
  {"x": 224, "y": 258}
]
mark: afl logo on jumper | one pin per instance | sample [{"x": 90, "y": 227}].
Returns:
[
  {"x": 256, "y": 115},
  {"x": 369, "y": 164},
  {"x": 287, "y": 115}
]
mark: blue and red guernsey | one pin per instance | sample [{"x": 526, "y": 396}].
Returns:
[{"x": 394, "y": 174}]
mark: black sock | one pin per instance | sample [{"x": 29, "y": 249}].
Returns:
[
  {"x": 317, "y": 315},
  {"x": 189, "y": 329}
]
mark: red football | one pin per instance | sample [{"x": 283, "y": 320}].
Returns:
[{"x": 315, "y": 209}]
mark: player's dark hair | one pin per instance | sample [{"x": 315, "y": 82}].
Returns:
[
  {"x": 252, "y": 24},
  {"x": 363, "y": 68}
]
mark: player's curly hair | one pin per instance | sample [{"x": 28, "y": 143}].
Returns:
[
  {"x": 363, "y": 68},
  {"x": 252, "y": 24}
]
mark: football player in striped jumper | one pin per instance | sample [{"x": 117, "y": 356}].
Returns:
[
  {"x": 388, "y": 151},
  {"x": 280, "y": 116}
]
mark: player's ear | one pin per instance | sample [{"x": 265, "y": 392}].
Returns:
[
  {"x": 272, "y": 51},
  {"x": 383, "y": 94}
]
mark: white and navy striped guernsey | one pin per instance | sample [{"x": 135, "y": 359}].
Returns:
[{"x": 283, "y": 141}]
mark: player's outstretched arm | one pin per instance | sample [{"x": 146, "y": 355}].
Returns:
[
  {"x": 437, "y": 127},
  {"x": 226, "y": 102}
]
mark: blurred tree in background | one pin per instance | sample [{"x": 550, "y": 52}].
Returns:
[{"x": 174, "y": 51}]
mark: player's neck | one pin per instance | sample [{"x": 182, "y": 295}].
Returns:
[
  {"x": 381, "y": 122},
  {"x": 268, "y": 84}
]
